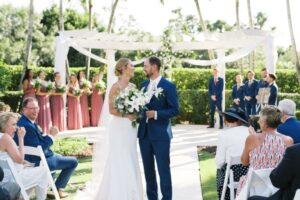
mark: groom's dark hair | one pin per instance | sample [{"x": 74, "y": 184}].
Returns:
[{"x": 153, "y": 60}]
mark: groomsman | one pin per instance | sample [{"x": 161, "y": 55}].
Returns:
[
  {"x": 263, "y": 83},
  {"x": 250, "y": 93},
  {"x": 238, "y": 93},
  {"x": 273, "y": 89},
  {"x": 215, "y": 90}
]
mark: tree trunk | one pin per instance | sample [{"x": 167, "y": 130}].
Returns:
[
  {"x": 238, "y": 27},
  {"x": 111, "y": 18},
  {"x": 88, "y": 59},
  {"x": 29, "y": 40},
  {"x": 203, "y": 26},
  {"x": 293, "y": 39},
  {"x": 252, "y": 55},
  {"x": 61, "y": 16}
]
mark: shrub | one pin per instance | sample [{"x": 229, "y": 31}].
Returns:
[
  {"x": 72, "y": 146},
  {"x": 12, "y": 98}
]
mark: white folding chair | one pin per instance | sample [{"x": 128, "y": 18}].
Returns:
[
  {"x": 258, "y": 183},
  {"x": 297, "y": 195},
  {"x": 38, "y": 151},
  {"x": 231, "y": 160},
  {"x": 10, "y": 171}
]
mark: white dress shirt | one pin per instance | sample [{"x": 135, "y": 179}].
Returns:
[{"x": 231, "y": 141}]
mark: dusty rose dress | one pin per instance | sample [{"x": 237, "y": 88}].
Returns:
[
  {"x": 74, "y": 113},
  {"x": 58, "y": 112},
  {"x": 31, "y": 94},
  {"x": 96, "y": 107},
  {"x": 85, "y": 109},
  {"x": 44, "y": 118}
]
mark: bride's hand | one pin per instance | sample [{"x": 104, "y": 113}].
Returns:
[{"x": 131, "y": 117}]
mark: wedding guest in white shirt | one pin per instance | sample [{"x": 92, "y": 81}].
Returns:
[
  {"x": 231, "y": 143},
  {"x": 28, "y": 175}
]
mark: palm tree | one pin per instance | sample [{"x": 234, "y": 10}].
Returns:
[
  {"x": 61, "y": 16},
  {"x": 203, "y": 26},
  {"x": 293, "y": 39},
  {"x": 251, "y": 56},
  {"x": 88, "y": 59},
  {"x": 29, "y": 40},
  {"x": 238, "y": 26},
  {"x": 113, "y": 10}
]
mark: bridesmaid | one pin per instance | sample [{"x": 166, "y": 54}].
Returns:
[
  {"x": 44, "y": 116},
  {"x": 96, "y": 100},
  {"x": 74, "y": 108},
  {"x": 84, "y": 99},
  {"x": 57, "y": 104},
  {"x": 27, "y": 84}
]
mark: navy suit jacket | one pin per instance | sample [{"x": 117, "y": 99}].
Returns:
[
  {"x": 166, "y": 106},
  {"x": 273, "y": 94},
  {"x": 216, "y": 89},
  {"x": 251, "y": 90},
  {"x": 238, "y": 94},
  {"x": 291, "y": 127},
  {"x": 33, "y": 138}
]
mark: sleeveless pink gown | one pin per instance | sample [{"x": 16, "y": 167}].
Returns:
[
  {"x": 96, "y": 105},
  {"x": 85, "y": 109},
  {"x": 31, "y": 94},
  {"x": 44, "y": 116},
  {"x": 74, "y": 113},
  {"x": 58, "y": 112}
]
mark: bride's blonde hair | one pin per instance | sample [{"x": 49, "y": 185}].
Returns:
[{"x": 122, "y": 62}]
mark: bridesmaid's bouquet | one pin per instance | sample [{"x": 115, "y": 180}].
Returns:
[
  {"x": 77, "y": 92},
  {"x": 60, "y": 89},
  {"x": 131, "y": 101},
  {"x": 86, "y": 84},
  {"x": 50, "y": 86},
  {"x": 37, "y": 83},
  {"x": 100, "y": 86}
]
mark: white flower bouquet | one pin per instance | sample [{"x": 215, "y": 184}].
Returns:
[
  {"x": 77, "y": 92},
  {"x": 60, "y": 89},
  {"x": 100, "y": 86},
  {"x": 86, "y": 84},
  {"x": 37, "y": 83},
  {"x": 50, "y": 86}
]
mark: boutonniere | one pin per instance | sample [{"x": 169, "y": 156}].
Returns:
[{"x": 158, "y": 92}]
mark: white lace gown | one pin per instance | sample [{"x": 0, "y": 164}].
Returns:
[{"x": 122, "y": 178}]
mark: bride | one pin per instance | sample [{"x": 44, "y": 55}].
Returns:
[{"x": 121, "y": 175}]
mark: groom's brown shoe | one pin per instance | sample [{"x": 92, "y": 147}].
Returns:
[{"x": 62, "y": 194}]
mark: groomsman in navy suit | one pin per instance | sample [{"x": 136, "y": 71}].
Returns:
[
  {"x": 215, "y": 90},
  {"x": 263, "y": 83},
  {"x": 34, "y": 137},
  {"x": 238, "y": 93},
  {"x": 250, "y": 93},
  {"x": 155, "y": 131},
  {"x": 273, "y": 89}
]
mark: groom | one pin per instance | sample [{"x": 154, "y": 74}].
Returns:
[{"x": 155, "y": 132}]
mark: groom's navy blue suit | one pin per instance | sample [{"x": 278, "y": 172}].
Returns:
[{"x": 155, "y": 138}]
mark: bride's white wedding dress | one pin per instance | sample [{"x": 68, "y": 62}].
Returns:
[{"x": 121, "y": 177}]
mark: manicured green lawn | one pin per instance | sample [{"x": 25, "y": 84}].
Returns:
[{"x": 208, "y": 175}]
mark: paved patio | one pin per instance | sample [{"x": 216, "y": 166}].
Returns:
[{"x": 184, "y": 158}]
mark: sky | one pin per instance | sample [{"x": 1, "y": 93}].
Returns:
[{"x": 152, "y": 16}]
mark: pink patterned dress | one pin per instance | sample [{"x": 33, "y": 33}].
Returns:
[
  {"x": 266, "y": 155},
  {"x": 96, "y": 105},
  {"x": 85, "y": 109},
  {"x": 31, "y": 94},
  {"x": 44, "y": 118},
  {"x": 58, "y": 111},
  {"x": 74, "y": 112}
]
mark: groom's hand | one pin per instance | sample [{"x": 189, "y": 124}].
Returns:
[{"x": 150, "y": 114}]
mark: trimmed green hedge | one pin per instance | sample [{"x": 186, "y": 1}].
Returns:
[
  {"x": 194, "y": 104},
  {"x": 184, "y": 78}
]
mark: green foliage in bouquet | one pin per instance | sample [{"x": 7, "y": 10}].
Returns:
[
  {"x": 77, "y": 92},
  {"x": 60, "y": 89},
  {"x": 100, "y": 86}
]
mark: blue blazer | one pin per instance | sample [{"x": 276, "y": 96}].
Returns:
[
  {"x": 273, "y": 94},
  {"x": 33, "y": 138},
  {"x": 291, "y": 127},
  {"x": 216, "y": 89},
  {"x": 166, "y": 106},
  {"x": 238, "y": 93},
  {"x": 251, "y": 90}
]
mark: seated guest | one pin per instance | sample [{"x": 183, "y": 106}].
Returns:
[
  {"x": 264, "y": 150},
  {"x": 290, "y": 125},
  {"x": 286, "y": 176},
  {"x": 8, "y": 190},
  {"x": 28, "y": 175},
  {"x": 273, "y": 89},
  {"x": 230, "y": 142},
  {"x": 35, "y": 137},
  {"x": 238, "y": 92},
  {"x": 2, "y": 107}
]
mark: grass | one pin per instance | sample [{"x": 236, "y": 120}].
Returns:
[{"x": 208, "y": 174}]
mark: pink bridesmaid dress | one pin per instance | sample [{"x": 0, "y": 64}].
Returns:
[
  {"x": 58, "y": 111},
  {"x": 74, "y": 113},
  {"x": 85, "y": 109},
  {"x": 44, "y": 116},
  {"x": 31, "y": 94},
  {"x": 96, "y": 105}
]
